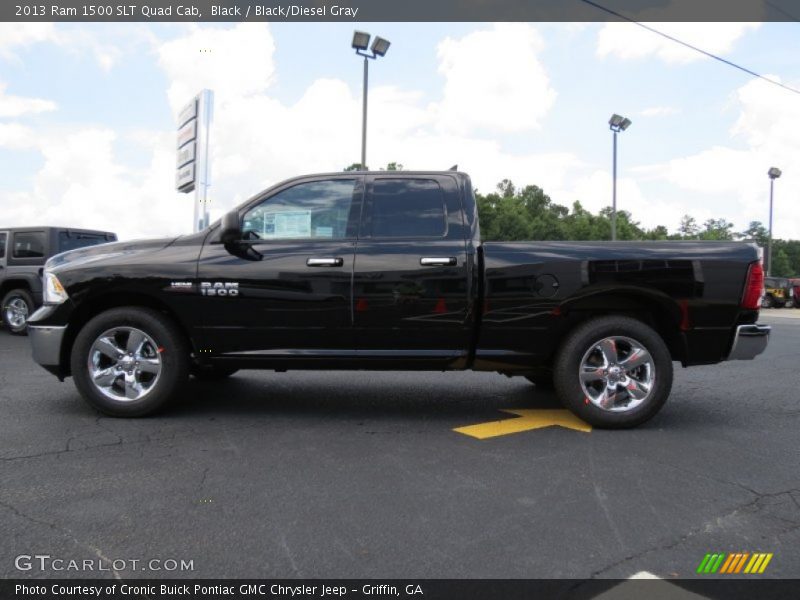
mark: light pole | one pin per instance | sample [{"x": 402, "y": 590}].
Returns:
[
  {"x": 773, "y": 173},
  {"x": 616, "y": 123},
  {"x": 378, "y": 48}
]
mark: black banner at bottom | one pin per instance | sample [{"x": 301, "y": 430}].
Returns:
[{"x": 406, "y": 589}]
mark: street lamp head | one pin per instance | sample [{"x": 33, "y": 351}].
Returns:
[
  {"x": 380, "y": 46},
  {"x": 618, "y": 122},
  {"x": 360, "y": 40},
  {"x": 774, "y": 173}
]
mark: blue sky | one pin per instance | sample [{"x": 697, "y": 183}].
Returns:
[{"x": 87, "y": 114}]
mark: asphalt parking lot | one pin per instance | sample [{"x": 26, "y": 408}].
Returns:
[{"x": 323, "y": 474}]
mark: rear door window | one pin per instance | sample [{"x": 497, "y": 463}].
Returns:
[
  {"x": 28, "y": 244},
  {"x": 403, "y": 208},
  {"x": 2, "y": 245}
]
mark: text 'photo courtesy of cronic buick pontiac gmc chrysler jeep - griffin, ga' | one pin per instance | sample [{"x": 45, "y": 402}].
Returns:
[{"x": 387, "y": 271}]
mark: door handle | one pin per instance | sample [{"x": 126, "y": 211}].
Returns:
[
  {"x": 325, "y": 262},
  {"x": 438, "y": 261}
]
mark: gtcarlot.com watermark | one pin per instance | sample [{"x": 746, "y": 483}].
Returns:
[{"x": 45, "y": 563}]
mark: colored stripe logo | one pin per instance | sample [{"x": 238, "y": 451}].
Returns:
[{"x": 734, "y": 562}]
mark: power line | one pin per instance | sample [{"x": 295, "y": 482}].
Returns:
[
  {"x": 782, "y": 11},
  {"x": 691, "y": 47}
]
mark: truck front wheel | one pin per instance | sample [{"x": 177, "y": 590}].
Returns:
[
  {"x": 613, "y": 372},
  {"x": 130, "y": 361}
]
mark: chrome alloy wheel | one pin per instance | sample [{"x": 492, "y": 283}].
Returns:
[
  {"x": 617, "y": 374},
  {"x": 124, "y": 363},
  {"x": 17, "y": 313}
]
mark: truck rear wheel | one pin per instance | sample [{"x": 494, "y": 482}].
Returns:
[
  {"x": 130, "y": 361},
  {"x": 613, "y": 372},
  {"x": 17, "y": 306}
]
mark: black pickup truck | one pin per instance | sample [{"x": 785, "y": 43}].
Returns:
[{"x": 387, "y": 270}]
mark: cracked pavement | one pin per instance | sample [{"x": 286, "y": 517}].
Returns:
[{"x": 360, "y": 475}]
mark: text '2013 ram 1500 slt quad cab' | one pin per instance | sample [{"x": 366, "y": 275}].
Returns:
[{"x": 387, "y": 271}]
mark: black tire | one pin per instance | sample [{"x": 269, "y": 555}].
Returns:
[
  {"x": 212, "y": 373},
  {"x": 583, "y": 341},
  {"x": 17, "y": 296},
  {"x": 172, "y": 352},
  {"x": 768, "y": 301},
  {"x": 543, "y": 382}
]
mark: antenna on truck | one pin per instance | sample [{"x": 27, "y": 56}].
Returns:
[{"x": 453, "y": 168}]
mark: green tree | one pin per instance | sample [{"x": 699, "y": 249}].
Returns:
[
  {"x": 657, "y": 233},
  {"x": 511, "y": 213},
  {"x": 781, "y": 267},
  {"x": 792, "y": 250},
  {"x": 506, "y": 188},
  {"x": 353, "y": 167},
  {"x": 717, "y": 229},
  {"x": 688, "y": 228},
  {"x": 756, "y": 231},
  {"x": 627, "y": 228},
  {"x": 580, "y": 224}
]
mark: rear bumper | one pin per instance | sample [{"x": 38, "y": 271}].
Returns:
[
  {"x": 46, "y": 345},
  {"x": 749, "y": 341}
]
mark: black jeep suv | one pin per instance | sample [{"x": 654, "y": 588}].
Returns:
[{"x": 23, "y": 252}]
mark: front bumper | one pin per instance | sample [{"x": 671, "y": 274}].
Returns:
[
  {"x": 749, "y": 341},
  {"x": 46, "y": 344}
]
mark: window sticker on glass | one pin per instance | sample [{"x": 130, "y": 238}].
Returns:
[
  {"x": 287, "y": 224},
  {"x": 323, "y": 232}
]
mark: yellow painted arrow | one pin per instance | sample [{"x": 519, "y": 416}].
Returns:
[{"x": 528, "y": 419}]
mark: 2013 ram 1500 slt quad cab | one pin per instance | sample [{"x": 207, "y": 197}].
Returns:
[{"x": 387, "y": 270}]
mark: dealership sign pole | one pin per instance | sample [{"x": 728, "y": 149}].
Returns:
[{"x": 193, "y": 162}]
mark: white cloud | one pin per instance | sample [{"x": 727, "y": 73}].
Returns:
[
  {"x": 660, "y": 111},
  {"x": 494, "y": 80},
  {"x": 75, "y": 39},
  {"x": 15, "y": 106},
  {"x": 769, "y": 118},
  {"x": 733, "y": 180},
  {"x": 81, "y": 183},
  {"x": 259, "y": 140},
  {"x": 22, "y": 35},
  {"x": 16, "y": 137},
  {"x": 236, "y": 62},
  {"x": 631, "y": 42}
]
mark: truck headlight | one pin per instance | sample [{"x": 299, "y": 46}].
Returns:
[{"x": 54, "y": 292}]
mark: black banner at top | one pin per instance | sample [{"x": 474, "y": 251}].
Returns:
[{"x": 398, "y": 10}]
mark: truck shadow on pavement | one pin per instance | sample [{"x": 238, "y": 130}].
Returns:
[
  {"x": 388, "y": 396},
  {"x": 356, "y": 394}
]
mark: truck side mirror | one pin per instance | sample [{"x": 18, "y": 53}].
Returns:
[
  {"x": 230, "y": 234},
  {"x": 231, "y": 230}
]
